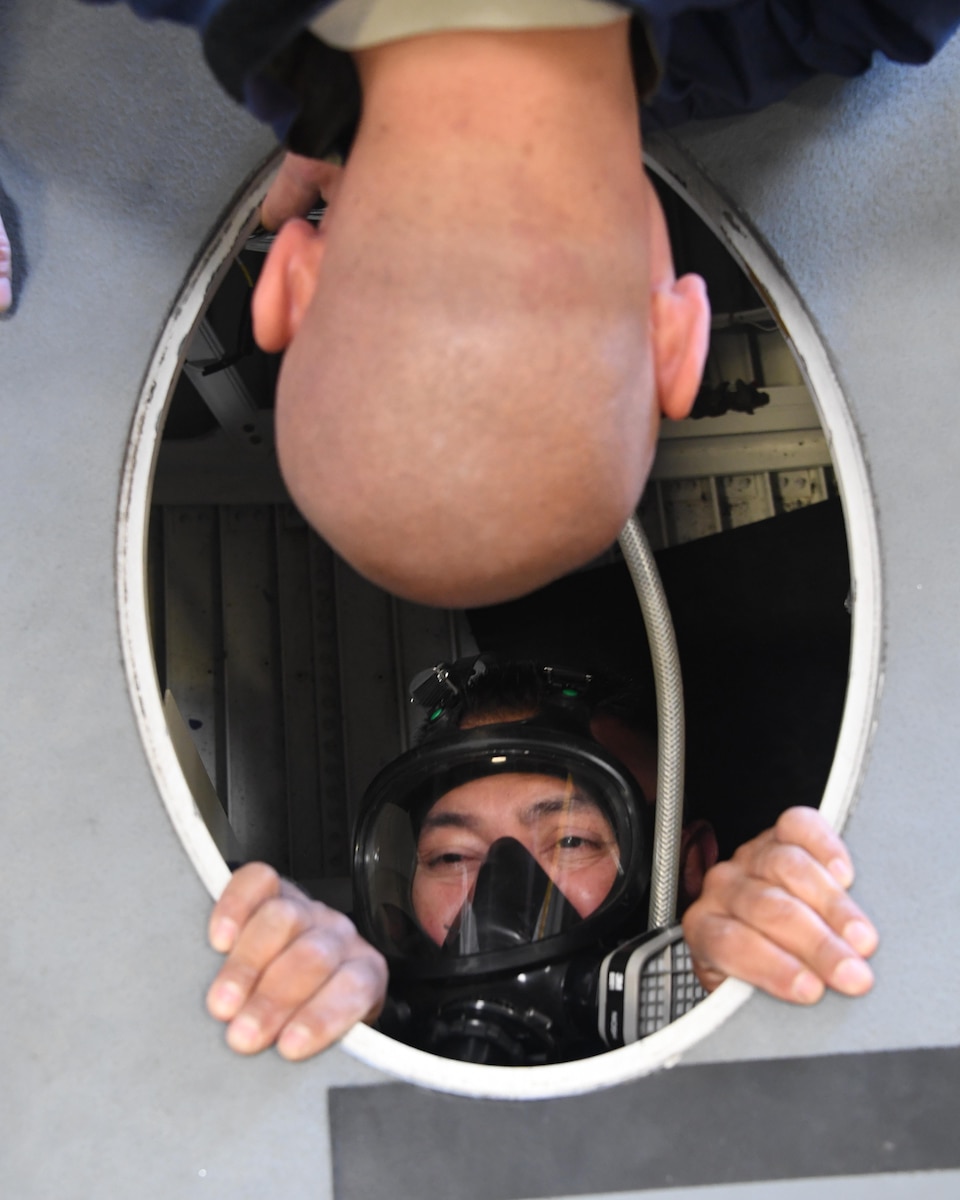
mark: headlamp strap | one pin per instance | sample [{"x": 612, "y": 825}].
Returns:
[
  {"x": 440, "y": 689},
  {"x": 571, "y": 684},
  {"x": 433, "y": 689}
]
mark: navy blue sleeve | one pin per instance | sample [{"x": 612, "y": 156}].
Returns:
[
  {"x": 720, "y": 57},
  {"x": 716, "y": 57},
  {"x": 306, "y": 90},
  {"x": 186, "y": 12}
]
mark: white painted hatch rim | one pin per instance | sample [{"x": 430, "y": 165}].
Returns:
[{"x": 666, "y": 1047}]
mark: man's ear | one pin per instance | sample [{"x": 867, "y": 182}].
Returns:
[
  {"x": 680, "y": 332},
  {"x": 698, "y": 852},
  {"x": 287, "y": 284}
]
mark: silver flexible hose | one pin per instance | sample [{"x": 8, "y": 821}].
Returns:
[{"x": 668, "y": 822}]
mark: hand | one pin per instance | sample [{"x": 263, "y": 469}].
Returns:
[
  {"x": 297, "y": 972},
  {"x": 6, "y": 270},
  {"x": 297, "y": 187},
  {"x": 778, "y": 915}
]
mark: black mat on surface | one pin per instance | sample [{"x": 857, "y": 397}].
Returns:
[{"x": 798, "y": 1118}]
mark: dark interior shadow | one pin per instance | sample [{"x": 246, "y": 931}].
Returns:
[{"x": 763, "y": 630}]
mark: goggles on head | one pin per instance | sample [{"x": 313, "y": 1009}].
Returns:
[{"x": 442, "y": 691}]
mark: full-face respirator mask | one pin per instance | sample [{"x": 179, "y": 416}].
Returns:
[{"x": 504, "y": 871}]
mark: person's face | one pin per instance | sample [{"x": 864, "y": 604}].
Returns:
[{"x": 564, "y": 830}]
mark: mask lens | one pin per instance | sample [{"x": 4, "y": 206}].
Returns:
[
  {"x": 489, "y": 857},
  {"x": 562, "y": 837}
]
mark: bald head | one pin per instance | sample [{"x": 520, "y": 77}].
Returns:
[{"x": 469, "y": 400}]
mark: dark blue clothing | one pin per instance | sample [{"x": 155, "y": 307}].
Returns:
[
  {"x": 721, "y": 58},
  {"x": 715, "y": 57}
]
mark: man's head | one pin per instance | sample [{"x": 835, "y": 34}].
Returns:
[
  {"x": 481, "y": 336},
  {"x": 499, "y": 861},
  {"x": 617, "y": 714}
]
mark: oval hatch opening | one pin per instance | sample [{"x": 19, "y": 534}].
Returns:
[{"x": 269, "y": 679}]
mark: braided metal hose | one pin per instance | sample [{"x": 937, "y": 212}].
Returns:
[{"x": 668, "y": 822}]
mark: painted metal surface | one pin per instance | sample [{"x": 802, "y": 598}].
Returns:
[{"x": 117, "y": 158}]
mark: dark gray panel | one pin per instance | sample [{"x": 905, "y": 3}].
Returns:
[
  {"x": 251, "y": 643},
  {"x": 369, "y": 689},
  {"x": 329, "y": 715},
  {"x": 299, "y": 697},
  {"x": 192, "y": 629},
  {"x": 724, "y": 1123}
]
